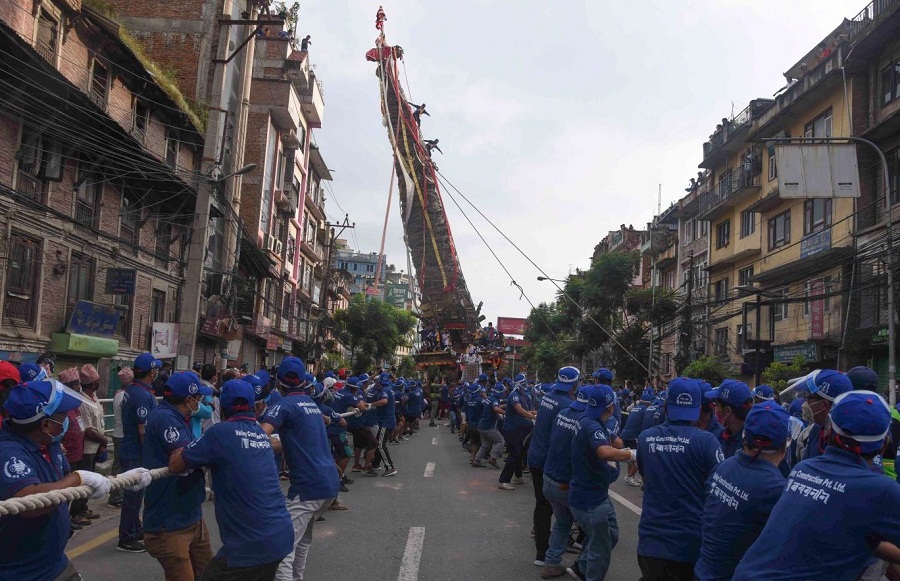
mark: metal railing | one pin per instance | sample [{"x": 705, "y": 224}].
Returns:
[
  {"x": 720, "y": 137},
  {"x": 30, "y": 186},
  {"x": 861, "y": 22}
]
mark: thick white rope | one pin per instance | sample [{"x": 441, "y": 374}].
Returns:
[{"x": 54, "y": 497}]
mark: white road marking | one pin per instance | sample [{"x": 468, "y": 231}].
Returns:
[
  {"x": 429, "y": 469},
  {"x": 434, "y": 442},
  {"x": 409, "y": 566},
  {"x": 626, "y": 503}
]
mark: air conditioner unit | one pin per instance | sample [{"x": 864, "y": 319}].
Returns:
[
  {"x": 278, "y": 248},
  {"x": 270, "y": 244}
]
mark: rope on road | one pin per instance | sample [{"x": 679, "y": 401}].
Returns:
[{"x": 42, "y": 500}]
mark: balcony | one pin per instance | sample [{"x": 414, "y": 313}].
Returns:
[
  {"x": 281, "y": 98},
  {"x": 313, "y": 102},
  {"x": 698, "y": 246},
  {"x": 30, "y": 187},
  {"x": 313, "y": 252},
  {"x": 868, "y": 18},
  {"x": 727, "y": 193}
]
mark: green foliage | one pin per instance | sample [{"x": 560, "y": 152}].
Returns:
[
  {"x": 777, "y": 374},
  {"x": 709, "y": 368},
  {"x": 372, "y": 330},
  {"x": 407, "y": 367}
]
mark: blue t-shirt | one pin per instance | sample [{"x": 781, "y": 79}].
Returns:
[
  {"x": 513, "y": 419},
  {"x": 815, "y": 443},
  {"x": 473, "y": 409},
  {"x": 558, "y": 463},
  {"x": 591, "y": 476},
  {"x": 741, "y": 494},
  {"x": 333, "y": 427},
  {"x": 445, "y": 394},
  {"x": 298, "y": 421},
  {"x": 820, "y": 526},
  {"x": 675, "y": 460},
  {"x": 31, "y": 548},
  {"x": 654, "y": 416},
  {"x": 550, "y": 405},
  {"x": 137, "y": 403},
  {"x": 714, "y": 427},
  {"x": 634, "y": 422},
  {"x": 173, "y": 503},
  {"x": 385, "y": 414},
  {"x": 345, "y": 402},
  {"x": 488, "y": 420},
  {"x": 415, "y": 403},
  {"x": 253, "y": 521},
  {"x": 370, "y": 418},
  {"x": 731, "y": 444}
]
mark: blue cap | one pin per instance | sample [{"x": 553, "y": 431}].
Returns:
[
  {"x": 33, "y": 400},
  {"x": 483, "y": 377},
  {"x": 600, "y": 397},
  {"x": 184, "y": 384},
  {"x": 796, "y": 408},
  {"x": 862, "y": 377},
  {"x": 146, "y": 362},
  {"x": 264, "y": 377},
  {"x": 474, "y": 388},
  {"x": 567, "y": 375},
  {"x": 603, "y": 374},
  {"x": 862, "y": 415},
  {"x": 328, "y": 374},
  {"x": 260, "y": 389},
  {"x": 767, "y": 426},
  {"x": 764, "y": 392},
  {"x": 291, "y": 372},
  {"x": 363, "y": 378},
  {"x": 520, "y": 378},
  {"x": 732, "y": 392},
  {"x": 32, "y": 372},
  {"x": 318, "y": 390},
  {"x": 498, "y": 389},
  {"x": 384, "y": 377},
  {"x": 353, "y": 381},
  {"x": 581, "y": 398},
  {"x": 829, "y": 384},
  {"x": 647, "y": 395},
  {"x": 683, "y": 400},
  {"x": 234, "y": 389}
]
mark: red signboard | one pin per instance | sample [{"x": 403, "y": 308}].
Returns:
[
  {"x": 512, "y": 325},
  {"x": 454, "y": 325},
  {"x": 817, "y": 310}
]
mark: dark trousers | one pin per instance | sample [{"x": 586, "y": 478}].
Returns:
[
  {"x": 130, "y": 528},
  {"x": 654, "y": 569},
  {"x": 383, "y": 455},
  {"x": 218, "y": 571},
  {"x": 543, "y": 513},
  {"x": 79, "y": 505},
  {"x": 115, "y": 496},
  {"x": 70, "y": 573},
  {"x": 515, "y": 439}
]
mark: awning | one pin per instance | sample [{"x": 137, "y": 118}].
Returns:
[{"x": 83, "y": 345}]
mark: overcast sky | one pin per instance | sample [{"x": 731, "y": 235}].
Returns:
[{"x": 558, "y": 119}]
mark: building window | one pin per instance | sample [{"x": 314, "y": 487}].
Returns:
[
  {"x": 773, "y": 168},
  {"x": 22, "y": 280},
  {"x": 816, "y": 215},
  {"x": 826, "y": 289},
  {"x": 87, "y": 195},
  {"x": 745, "y": 276},
  {"x": 123, "y": 304},
  {"x": 81, "y": 281},
  {"x": 163, "y": 233},
  {"x": 723, "y": 233},
  {"x": 819, "y": 127},
  {"x": 744, "y": 334},
  {"x": 99, "y": 87},
  {"x": 721, "y": 289},
  {"x": 748, "y": 224},
  {"x": 47, "y": 37},
  {"x": 721, "y": 341},
  {"x": 780, "y": 309},
  {"x": 128, "y": 221},
  {"x": 31, "y": 158},
  {"x": 370, "y": 268},
  {"x": 141, "y": 116},
  {"x": 780, "y": 230},
  {"x": 172, "y": 149},
  {"x": 890, "y": 83}
]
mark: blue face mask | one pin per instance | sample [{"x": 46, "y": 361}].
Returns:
[{"x": 65, "y": 427}]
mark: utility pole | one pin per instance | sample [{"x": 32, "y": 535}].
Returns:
[
  {"x": 687, "y": 322},
  {"x": 345, "y": 225}
]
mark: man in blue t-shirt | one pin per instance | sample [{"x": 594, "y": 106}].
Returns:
[
  {"x": 824, "y": 387},
  {"x": 557, "y": 474},
  {"x": 314, "y": 481},
  {"x": 363, "y": 438},
  {"x": 517, "y": 425},
  {"x": 491, "y": 440},
  {"x": 254, "y": 524},
  {"x": 473, "y": 401},
  {"x": 385, "y": 404},
  {"x": 558, "y": 398},
  {"x": 675, "y": 460},
  {"x": 655, "y": 414},
  {"x": 741, "y": 493},
  {"x": 733, "y": 400},
  {"x": 137, "y": 403},
  {"x": 174, "y": 531},
  {"x": 632, "y": 430},
  {"x": 835, "y": 509},
  {"x": 594, "y": 468}
]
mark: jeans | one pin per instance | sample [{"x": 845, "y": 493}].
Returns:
[
  {"x": 602, "y": 530},
  {"x": 454, "y": 422},
  {"x": 303, "y": 516},
  {"x": 543, "y": 513},
  {"x": 183, "y": 554},
  {"x": 562, "y": 526},
  {"x": 514, "y": 441},
  {"x": 130, "y": 527},
  {"x": 491, "y": 441}
]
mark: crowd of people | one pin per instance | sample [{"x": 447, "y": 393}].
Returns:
[{"x": 737, "y": 484}]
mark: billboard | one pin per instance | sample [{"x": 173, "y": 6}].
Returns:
[
  {"x": 817, "y": 170},
  {"x": 164, "y": 340},
  {"x": 512, "y": 325},
  {"x": 397, "y": 295}
]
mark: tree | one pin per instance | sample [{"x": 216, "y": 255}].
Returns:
[
  {"x": 777, "y": 374},
  {"x": 372, "y": 330},
  {"x": 406, "y": 367},
  {"x": 709, "y": 368}
]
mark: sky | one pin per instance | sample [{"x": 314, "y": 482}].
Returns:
[{"x": 559, "y": 120}]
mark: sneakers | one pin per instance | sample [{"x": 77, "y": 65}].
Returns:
[
  {"x": 477, "y": 464},
  {"x": 346, "y": 480},
  {"x": 508, "y": 486},
  {"x": 551, "y": 571},
  {"x": 574, "y": 572},
  {"x": 81, "y": 520},
  {"x": 391, "y": 472},
  {"x": 539, "y": 562},
  {"x": 518, "y": 481},
  {"x": 337, "y": 506},
  {"x": 632, "y": 481},
  {"x": 573, "y": 547},
  {"x": 370, "y": 472},
  {"x": 344, "y": 488},
  {"x": 91, "y": 515},
  {"x": 114, "y": 504},
  {"x": 493, "y": 462},
  {"x": 132, "y": 547},
  {"x": 357, "y": 468}
]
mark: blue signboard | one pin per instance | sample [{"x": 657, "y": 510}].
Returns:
[
  {"x": 815, "y": 243},
  {"x": 120, "y": 281},
  {"x": 93, "y": 319}
]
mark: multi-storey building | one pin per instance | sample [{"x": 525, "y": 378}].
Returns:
[
  {"x": 691, "y": 274},
  {"x": 99, "y": 171},
  {"x": 661, "y": 247},
  {"x": 362, "y": 266}
]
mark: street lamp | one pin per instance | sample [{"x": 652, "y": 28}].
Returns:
[
  {"x": 244, "y": 170},
  {"x": 543, "y": 278}
]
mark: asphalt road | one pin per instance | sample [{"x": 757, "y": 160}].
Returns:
[{"x": 454, "y": 525}]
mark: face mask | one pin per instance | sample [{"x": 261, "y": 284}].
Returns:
[
  {"x": 722, "y": 412},
  {"x": 65, "y": 427},
  {"x": 194, "y": 411}
]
